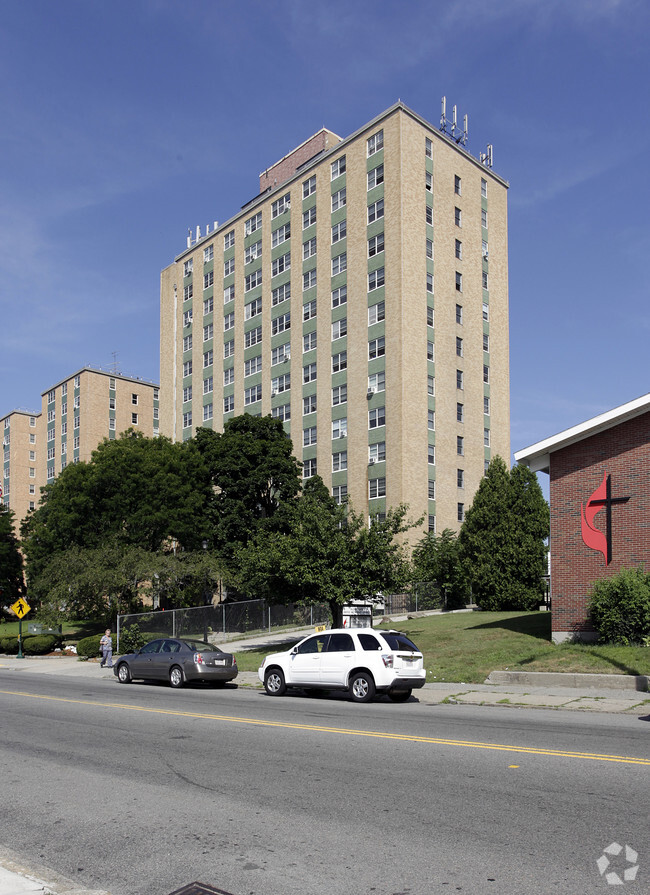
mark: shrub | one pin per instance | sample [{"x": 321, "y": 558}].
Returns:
[
  {"x": 88, "y": 648},
  {"x": 131, "y": 639},
  {"x": 620, "y": 607},
  {"x": 40, "y": 644},
  {"x": 9, "y": 645}
]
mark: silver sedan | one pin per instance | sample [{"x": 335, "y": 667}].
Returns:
[{"x": 177, "y": 661}]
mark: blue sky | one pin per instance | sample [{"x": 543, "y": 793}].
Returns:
[{"x": 125, "y": 123}]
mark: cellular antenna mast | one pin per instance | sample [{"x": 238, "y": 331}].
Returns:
[{"x": 451, "y": 129}]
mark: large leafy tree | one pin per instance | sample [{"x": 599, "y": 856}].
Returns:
[
  {"x": 438, "y": 559},
  {"x": 502, "y": 539},
  {"x": 323, "y": 552},
  {"x": 253, "y": 471},
  {"x": 11, "y": 561}
]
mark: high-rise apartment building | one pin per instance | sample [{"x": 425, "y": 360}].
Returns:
[
  {"x": 77, "y": 414},
  {"x": 362, "y": 299}
]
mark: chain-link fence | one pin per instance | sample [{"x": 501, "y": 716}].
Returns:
[
  {"x": 423, "y": 596},
  {"x": 225, "y": 621}
]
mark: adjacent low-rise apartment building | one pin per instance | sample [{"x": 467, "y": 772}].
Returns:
[
  {"x": 362, "y": 299},
  {"x": 76, "y": 415}
]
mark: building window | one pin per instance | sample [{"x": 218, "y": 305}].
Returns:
[
  {"x": 252, "y": 252},
  {"x": 339, "y": 296},
  {"x": 460, "y": 413},
  {"x": 252, "y": 280},
  {"x": 376, "y": 245},
  {"x": 486, "y": 342},
  {"x": 208, "y": 332},
  {"x": 431, "y": 385},
  {"x": 460, "y": 445},
  {"x": 252, "y": 366},
  {"x": 460, "y": 478},
  {"x": 339, "y": 264},
  {"x": 229, "y": 348},
  {"x": 431, "y": 419},
  {"x": 377, "y": 488},
  {"x": 376, "y": 279},
  {"x": 280, "y": 384},
  {"x": 309, "y": 468},
  {"x": 281, "y": 205},
  {"x": 431, "y": 351},
  {"x": 428, "y": 148},
  {"x": 187, "y": 267},
  {"x": 339, "y": 328},
  {"x": 309, "y": 248},
  {"x": 280, "y": 354},
  {"x": 229, "y": 240},
  {"x": 459, "y": 249},
  {"x": 207, "y": 412},
  {"x": 228, "y": 403},
  {"x": 309, "y": 436},
  {"x": 376, "y": 417},
  {"x": 459, "y": 314},
  {"x": 280, "y": 294},
  {"x": 376, "y": 142},
  {"x": 309, "y": 342},
  {"x": 484, "y": 249},
  {"x": 308, "y": 280},
  {"x": 339, "y": 231},
  {"x": 429, "y": 282},
  {"x": 309, "y": 310},
  {"x": 429, "y": 215},
  {"x": 208, "y": 384},
  {"x": 187, "y": 343},
  {"x": 339, "y": 395},
  {"x": 208, "y": 253},
  {"x": 309, "y": 187},
  {"x": 228, "y": 376},
  {"x": 228, "y": 295},
  {"x": 253, "y": 224},
  {"x": 377, "y": 382},
  {"x": 430, "y": 316},
  {"x": 376, "y": 348},
  {"x": 308, "y": 217},
  {"x": 431, "y": 493},
  {"x": 486, "y": 311},
  {"x": 461, "y": 512},
  {"x": 338, "y": 167},
  {"x": 309, "y": 373},
  {"x": 484, "y": 218},
  {"x": 483, "y": 188},
  {"x": 486, "y": 373},
  {"x": 431, "y": 455},
  {"x": 340, "y": 428},
  {"x": 484, "y": 275},
  {"x": 280, "y": 324},
  {"x": 278, "y": 265},
  {"x": 339, "y": 461},
  {"x": 77, "y": 381},
  {"x": 339, "y": 362},
  {"x": 252, "y": 394},
  {"x": 375, "y": 177},
  {"x": 339, "y": 199},
  {"x": 229, "y": 321},
  {"x": 486, "y": 437},
  {"x": 486, "y": 405},
  {"x": 253, "y": 337},
  {"x": 187, "y": 368},
  {"x": 457, "y": 185},
  {"x": 187, "y": 394},
  {"x": 377, "y": 452},
  {"x": 459, "y": 379},
  {"x": 376, "y": 313},
  {"x": 459, "y": 347},
  {"x": 208, "y": 358},
  {"x": 32, "y": 422},
  {"x": 309, "y": 405},
  {"x": 283, "y": 412},
  {"x": 187, "y": 317},
  {"x": 228, "y": 267},
  {"x": 428, "y": 181},
  {"x": 208, "y": 279},
  {"x": 458, "y": 218},
  {"x": 376, "y": 211},
  {"x": 459, "y": 282}
]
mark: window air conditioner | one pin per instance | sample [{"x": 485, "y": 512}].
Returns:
[
  {"x": 371, "y": 462},
  {"x": 371, "y": 392}
]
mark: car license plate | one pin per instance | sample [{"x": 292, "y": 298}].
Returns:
[{"x": 219, "y": 661}]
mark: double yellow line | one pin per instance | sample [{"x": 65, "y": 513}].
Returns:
[{"x": 343, "y": 731}]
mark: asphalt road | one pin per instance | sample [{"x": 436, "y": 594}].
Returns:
[{"x": 140, "y": 790}]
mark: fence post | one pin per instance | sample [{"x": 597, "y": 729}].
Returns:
[
  {"x": 269, "y": 619},
  {"x": 223, "y": 618},
  {"x": 173, "y": 623},
  {"x": 311, "y": 614},
  {"x": 117, "y": 648}
]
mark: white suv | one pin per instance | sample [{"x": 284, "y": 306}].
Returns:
[{"x": 361, "y": 660}]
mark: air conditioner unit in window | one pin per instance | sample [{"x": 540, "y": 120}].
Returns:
[
  {"x": 273, "y": 393},
  {"x": 371, "y": 392},
  {"x": 371, "y": 462}
]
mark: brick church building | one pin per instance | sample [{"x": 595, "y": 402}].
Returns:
[{"x": 600, "y": 507}]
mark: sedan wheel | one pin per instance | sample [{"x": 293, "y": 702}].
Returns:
[
  {"x": 124, "y": 674},
  {"x": 362, "y": 687},
  {"x": 176, "y": 677},
  {"x": 400, "y": 695},
  {"x": 274, "y": 682}
]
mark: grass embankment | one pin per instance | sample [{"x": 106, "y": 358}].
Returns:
[
  {"x": 72, "y": 631},
  {"x": 466, "y": 647}
]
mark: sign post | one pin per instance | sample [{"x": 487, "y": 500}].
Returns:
[{"x": 21, "y": 607}]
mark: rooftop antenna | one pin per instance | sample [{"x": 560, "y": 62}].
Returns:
[
  {"x": 443, "y": 115},
  {"x": 485, "y": 158},
  {"x": 115, "y": 367},
  {"x": 460, "y": 136}
]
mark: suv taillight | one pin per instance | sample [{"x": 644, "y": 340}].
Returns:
[{"x": 387, "y": 659}]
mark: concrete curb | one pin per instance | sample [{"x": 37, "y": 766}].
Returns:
[
  {"x": 16, "y": 879},
  {"x": 578, "y": 681}
]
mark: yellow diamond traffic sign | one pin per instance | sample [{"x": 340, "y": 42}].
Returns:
[{"x": 21, "y": 607}]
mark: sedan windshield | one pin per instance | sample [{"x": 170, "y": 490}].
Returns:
[{"x": 399, "y": 641}]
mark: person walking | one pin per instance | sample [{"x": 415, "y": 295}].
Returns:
[{"x": 106, "y": 646}]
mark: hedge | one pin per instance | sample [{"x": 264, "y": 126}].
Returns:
[{"x": 33, "y": 645}]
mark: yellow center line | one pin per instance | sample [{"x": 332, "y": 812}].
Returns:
[{"x": 401, "y": 737}]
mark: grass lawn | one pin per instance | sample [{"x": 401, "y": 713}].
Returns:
[
  {"x": 466, "y": 647},
  {"x": 72, "y": 631}
]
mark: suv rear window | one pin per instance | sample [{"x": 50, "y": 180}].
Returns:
[
  {"x": 369, "y": 642},
  {"x": 399, "y": 642}
]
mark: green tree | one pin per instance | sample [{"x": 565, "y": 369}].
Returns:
[
  {"x": 324, "y": 552},
  {"x": 11, "y": 561},
  {"x": 253, "y": 471},
  {"x": 438, "y": 558},
  {"x": 502, "y": 539}
]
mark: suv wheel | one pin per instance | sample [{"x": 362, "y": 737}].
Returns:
[
  {"x": 362, "y": 687},
  {"x": 274, "y": 682}
]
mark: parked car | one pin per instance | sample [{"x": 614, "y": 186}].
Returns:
[
  {"x": 363, "y": 661},
  {"x": 177, "y": 661}
]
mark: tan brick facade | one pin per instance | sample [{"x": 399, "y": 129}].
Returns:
[{"x": 420, "y": 167}]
